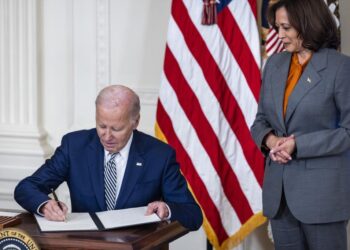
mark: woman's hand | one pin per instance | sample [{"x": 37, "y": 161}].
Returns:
[{"x": 283, "y": 149}]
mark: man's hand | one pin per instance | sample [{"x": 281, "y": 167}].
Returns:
[
  {"x": 52, "y": 211},
  {"x": 158, "y": 207}
]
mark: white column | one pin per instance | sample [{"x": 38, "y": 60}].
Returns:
[{"x": 22, "y": 140}]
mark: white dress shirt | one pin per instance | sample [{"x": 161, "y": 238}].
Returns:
[{"x": 120, "y": 162}]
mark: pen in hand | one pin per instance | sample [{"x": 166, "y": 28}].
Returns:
[{"x": 58, "y": 202}]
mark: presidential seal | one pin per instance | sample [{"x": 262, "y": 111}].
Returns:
[{"x": 16, "y": 239}]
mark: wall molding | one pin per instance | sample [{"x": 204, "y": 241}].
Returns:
[
  {"x": 23, "y": 140},
  {"x": 9, "y": 181},
  {"x": 102, "y": 44},
  {"x": 148, "y": 96}
]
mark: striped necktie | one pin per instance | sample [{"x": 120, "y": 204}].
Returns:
[{"x": 111, "y": 181}]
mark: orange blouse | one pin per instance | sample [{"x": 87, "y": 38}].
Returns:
[{"x": 295, "y": 71}]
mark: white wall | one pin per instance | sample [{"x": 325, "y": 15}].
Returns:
[{"x": 81, "y": 46}]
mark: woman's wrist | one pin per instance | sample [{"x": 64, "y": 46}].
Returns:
[{"x": 270, "y": 138}]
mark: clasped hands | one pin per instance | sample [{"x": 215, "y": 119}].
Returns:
[
  {"x": 281, "y": 148},
  {"x": 52, "y": 211}
]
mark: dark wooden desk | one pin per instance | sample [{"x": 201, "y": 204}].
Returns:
[{"x": 150, "y": 236}]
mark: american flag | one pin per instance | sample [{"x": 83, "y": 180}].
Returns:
[
  {"x": 207, "y": 102},
  {"x": 272, "y": 44}
]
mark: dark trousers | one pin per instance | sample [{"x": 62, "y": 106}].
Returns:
[{"x": 291, "y": 234}]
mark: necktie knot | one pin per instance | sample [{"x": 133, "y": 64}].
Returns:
[{"x": 112, "y": 156}]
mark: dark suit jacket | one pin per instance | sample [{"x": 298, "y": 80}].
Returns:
[
  {"x": 151, "y": 174},
  {"x": 316, "y": 180}
]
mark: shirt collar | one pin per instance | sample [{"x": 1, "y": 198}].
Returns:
[{"x": 295, "y": 61}]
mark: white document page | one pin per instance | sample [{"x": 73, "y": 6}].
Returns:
[
  {"x": 8, "y": 214},
  {"x": 126, "y": 217},
  {"x": 74, "y": 222}
]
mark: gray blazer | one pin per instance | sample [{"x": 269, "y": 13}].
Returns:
[{"x": 316, "y": 182}]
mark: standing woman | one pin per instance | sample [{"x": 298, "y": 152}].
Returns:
[{"x": 303, "y": 128}]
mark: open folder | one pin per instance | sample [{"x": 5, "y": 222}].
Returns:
[{"x": 98, "y": 221}]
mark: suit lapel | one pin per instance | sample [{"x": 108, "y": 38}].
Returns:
[
  {"x": 308, "y": 80},
  {"x": 133, "y": 171},
  {"x": 95, "y": 158},
  {"x": 279, "y": 78}
]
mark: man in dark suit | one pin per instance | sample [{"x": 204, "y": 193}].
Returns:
[{"x": 112, "y": 167}]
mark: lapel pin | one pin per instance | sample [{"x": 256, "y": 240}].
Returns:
[
  {"x": 139, "y": 164},
  {"x": 308, "y": 80}
]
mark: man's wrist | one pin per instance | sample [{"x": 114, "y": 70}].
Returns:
[
  {"x": 169, "y": 211},
  {"x": 40, "y": 207}
]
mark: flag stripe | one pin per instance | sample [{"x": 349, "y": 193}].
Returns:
[
  {"x": 241, "y": 11},
  {"x": 219, "y": 87},
  {"x": 191, "y": 107},
  {"x": 252, "y": 4},
  {"x": 226, "y": 62},
  {"x": 207, "y": 102},
  {"x": 240, "y": 50},
  {"x": 193, "y": 178},
  {"x": 201, "y": 161},
  {"x": 244, "y": 19},
  {"x": 272, "y": 40},
  {"x": 213, "y": 113},
  {"x": 273, "y": 43}
]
